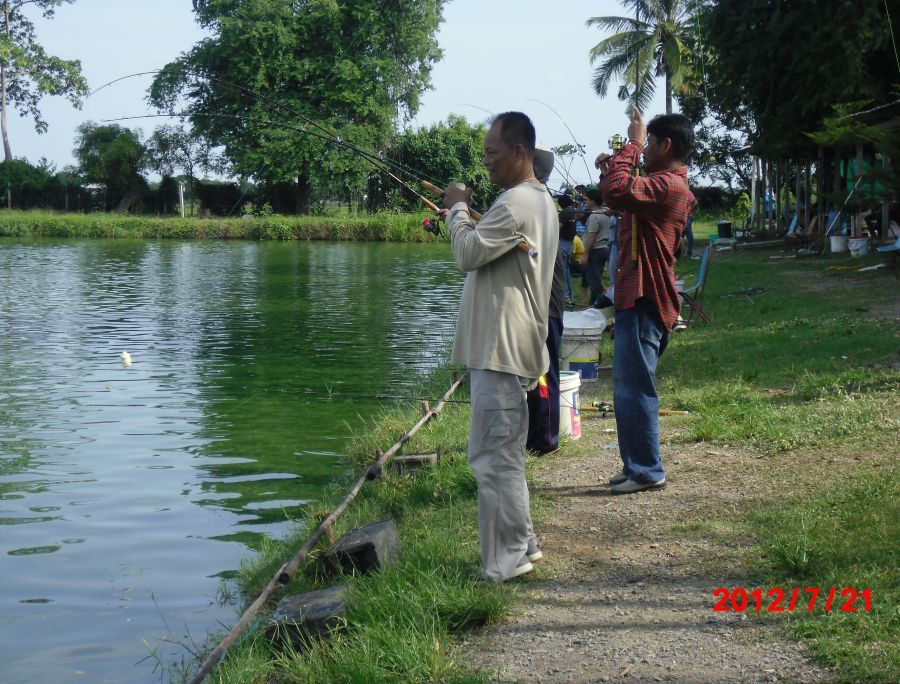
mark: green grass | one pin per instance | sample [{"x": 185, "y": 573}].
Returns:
[
  {"x": 400, "y": 620},
  {"x": 844, "y": 536},
  {"x": 382, "y": 227},
  {"x": 803, "y": 364}
]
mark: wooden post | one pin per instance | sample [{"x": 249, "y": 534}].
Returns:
[
  {"x": 855, "y": 231},
  {"x": 885, "y": 213},
  {"x": 778, "y": 198},
  {"x": 181, "y": 197},
  {"x": 820, "y": 189},
  {"x": 808, "y": 192},
  {"x": 753, "y": 179}
]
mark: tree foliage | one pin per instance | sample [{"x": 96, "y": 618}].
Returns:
[
  {"x": 790, "y": 61},
  {"x": 27, "y": 72},
  {"x": 655, "y": 41},
  {"x": 175, "y": 148},
  {"x": 114, "y": 157},
  {"x": 356, "y": 67},
  {"x": 445, "y": 151}
]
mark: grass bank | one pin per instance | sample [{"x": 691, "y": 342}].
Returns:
[
  {"x": 399, "y": 621},
  {"x": 382, "y": 227}
]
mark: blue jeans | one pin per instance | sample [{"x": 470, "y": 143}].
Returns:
[
  {"x": 566, "y": 247},
  {"x": 640, "y": 340}
]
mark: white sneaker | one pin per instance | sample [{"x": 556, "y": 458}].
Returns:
[
  {"x": 630, "y": 486},
  {"x": 533, "y": 552},
  {"x": 523, "y": 568}
]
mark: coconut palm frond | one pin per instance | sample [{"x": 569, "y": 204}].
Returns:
[
  {"x": 677, "y": 58},
  {"x": 615, "y": 44},
  {"x": 616, "y": 23},
  {"x": 614, "y": 67}
]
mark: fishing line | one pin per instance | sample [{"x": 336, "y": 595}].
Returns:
[
  {"x": 332, "y": 135},
  {"x": 377, "y": 162},
  {"x": 578, "y": 145}
]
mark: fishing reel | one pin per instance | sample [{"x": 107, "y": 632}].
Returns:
[
  {"x": 433, "y": 226},
  {"x": 617, "y": 142}
]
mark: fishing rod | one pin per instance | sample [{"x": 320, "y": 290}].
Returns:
[
  {"x": 637, "y": 168},
  {"x": 379, "y": 163},
  {"x": 578, "y": 145},
  {"x": 374, "y": 157},
  {"x": 412, "y": 172}
]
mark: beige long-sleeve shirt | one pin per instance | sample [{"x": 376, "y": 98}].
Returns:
[{"x": 503, "y": 315}]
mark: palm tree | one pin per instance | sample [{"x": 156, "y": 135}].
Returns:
[{"x": 656, "y": 41}]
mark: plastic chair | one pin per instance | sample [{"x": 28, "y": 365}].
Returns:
[
  {"x": 692, "y": 295},
  {"x": 895, "y": 248}
]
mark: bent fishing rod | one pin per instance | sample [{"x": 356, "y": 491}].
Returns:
[
  {"x": 333, "y": 135},
  {"x": 377, "y": 159},
  {"x": 379, "y": 163}
]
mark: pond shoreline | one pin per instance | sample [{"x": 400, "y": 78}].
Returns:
[{"x": 381, "y": 227}]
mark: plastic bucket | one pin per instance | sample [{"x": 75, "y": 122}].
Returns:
[
  {"x": 569, "y": 405},
  {"x": 858, "y": 246},
  {"x": 838, "y": 243},
  {"x": 580, "y": 348}
]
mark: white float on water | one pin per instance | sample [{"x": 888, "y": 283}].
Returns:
[
  {"x": 126, "y": 359},
  {"x": 580, "y": 349}
]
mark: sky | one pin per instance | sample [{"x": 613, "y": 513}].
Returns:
[{"x": 499, "y": 55}]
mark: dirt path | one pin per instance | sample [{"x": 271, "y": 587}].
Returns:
[{"x": 625, "y": 590}]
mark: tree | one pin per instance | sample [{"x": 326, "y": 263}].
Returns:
[
  {"x": 355, "y": 67},
  {"x": 789, "y": 62},
  {"x": 114, "y": 157},
  {"x": 27, "y": 72},
  {"x": 655, "y": 42},
  {"x": 445, "y": 151},
  {"x": 175, "y": 147}
]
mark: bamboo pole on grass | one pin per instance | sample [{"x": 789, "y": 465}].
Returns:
[{"x": 286, "y": 572}]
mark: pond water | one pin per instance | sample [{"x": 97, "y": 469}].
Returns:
[{"x": 128, "y": 493}]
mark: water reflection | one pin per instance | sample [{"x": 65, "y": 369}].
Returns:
[{"x": 118, "y": 486}]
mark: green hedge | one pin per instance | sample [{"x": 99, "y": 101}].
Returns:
[{"x": 382, "y": 227}]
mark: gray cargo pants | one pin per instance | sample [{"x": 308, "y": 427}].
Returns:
[{"x": 497, "y": 455}]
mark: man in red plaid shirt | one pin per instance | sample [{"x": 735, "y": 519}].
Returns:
[{"x": 646, "y": 299}]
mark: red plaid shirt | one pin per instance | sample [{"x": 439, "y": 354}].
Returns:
[{"x": 662, "y": 202}]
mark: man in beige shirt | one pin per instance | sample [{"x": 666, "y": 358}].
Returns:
[{"x": 501, "y": 334}]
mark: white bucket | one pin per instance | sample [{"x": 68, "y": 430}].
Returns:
[
  {"x": 859, "y": 246},
  {"x": 569, "y": 405},
  {"x": 580, "y": 348},
  {"x": 838, "y": 243}
]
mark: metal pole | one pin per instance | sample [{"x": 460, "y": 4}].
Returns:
[{"x": 181, "y": 196}]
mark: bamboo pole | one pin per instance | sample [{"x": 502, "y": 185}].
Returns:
[{"x": 286, "y": 572}]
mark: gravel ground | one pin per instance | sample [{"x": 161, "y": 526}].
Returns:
[{"x": 621, "y": 596}]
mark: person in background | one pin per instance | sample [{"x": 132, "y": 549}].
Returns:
[
  {"x": 567, "y": 231},
  {"x": 597, "y": 247},
  {"x": 576, "y": 267},
  {"x": 689, "y": 236},
  {"x": 646, "y": 299},
  {"x": 501, "y": 334},
  {"x": 543, "y": 400},
  {"x": 581, "y": 209}
]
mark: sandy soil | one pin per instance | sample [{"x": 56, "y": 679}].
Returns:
[{"x": 625, "y": 590}]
